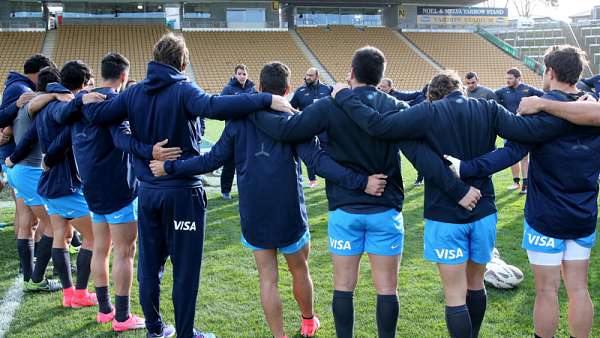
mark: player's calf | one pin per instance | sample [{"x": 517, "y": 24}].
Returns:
[{"x": 303, "y": 290}]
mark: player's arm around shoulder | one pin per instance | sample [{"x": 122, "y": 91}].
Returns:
[
  {"x": 527, "y": 129},
  {"x": 294, "y": 128},
  {"x": 395, "y": 124},
  {"x": 536, "y": 91},
  {"x": 201, "y": 164},
  {"x": 584, "y": 112}
]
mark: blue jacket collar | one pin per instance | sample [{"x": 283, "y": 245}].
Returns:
[
  {"x": 559, "y": 95},
  {"x": 56, "y": 87},
  {"x": 455, "y": 94},
  {"x": 235, "y": 83},
  {"x": 316, "y": 84},
  {"x": 365, "y": 89},
  {"x": 107, "y": 90}
]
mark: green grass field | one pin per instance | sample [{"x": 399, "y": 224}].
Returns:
[{"x": 228, "y": 303}]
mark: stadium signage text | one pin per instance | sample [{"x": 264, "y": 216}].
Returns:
[{"x": 461, "y": 16}]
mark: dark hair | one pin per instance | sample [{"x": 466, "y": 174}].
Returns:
[
  {"x": 514, "y": 72},
  {"x": 368, "y": 64},
  {"x": 47, "y": 75},
  {"x": 443, "y": 84},
  {"x": 36, "y": 62},
  {"x": 274, "y": 78},
  {"x": 113, "y": 65},
  {"x": 566, "y": 61},
  {"x": 471, "y": 75},
  {"x": 240, "y": 66},
  {"x": 171, "y": 50},
  {"x": 75, "y": 74}
]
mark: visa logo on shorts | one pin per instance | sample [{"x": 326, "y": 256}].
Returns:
[
  {"x": 540, "y": 240},
  {"x": 449, "y": 254},
  {"x": 185, "y": 225},
  {"x": 339, "y": 244}
]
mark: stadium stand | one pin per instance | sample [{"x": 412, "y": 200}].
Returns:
[
  {"x": 90, "y": 43},
  {"x": 465, "y": 52},
  {"x": 214, "y": 66},
  {"x": 534, "y": 41},
  {"x": 334, "y": 46},
  {"x": 15, "y": 48},
  {"x": 591, "y": 39}
]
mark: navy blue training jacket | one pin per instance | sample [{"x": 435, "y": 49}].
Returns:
[
  {"x": 305, "y": 95},
  {"x": 103, "y": 157},
  {"x": 563, "y": 177},
  {"x": 510, "y": 97},
  {"x": 412, "y": 98},
  {"x": 62, "y": 178},
  {"x": 16, "y": 84},
  {"x": 234, "y": 87},
  {"x": 166, "y": 105},
  {"x": 456, "y": 125},
  {"x": 353, "y": 148},
  {"x": 272, "y": 208},
  {"x": 594, "y": 83}
]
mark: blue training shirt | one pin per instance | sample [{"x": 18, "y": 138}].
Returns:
[{"x": 510, "y": 97}]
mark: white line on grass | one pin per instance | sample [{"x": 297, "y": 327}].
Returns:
[{"x": 10, "y": 304}]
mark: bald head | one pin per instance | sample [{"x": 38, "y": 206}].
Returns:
[{"x": 311, "y": 76}]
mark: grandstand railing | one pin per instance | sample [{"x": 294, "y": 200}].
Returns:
[
  {"x": 569, "y": 27},
  {"x": 517, "y": 25},
  {"x": 499, "y": 43},
  {"x": 114, "y": 16},
  {"x": 16, "y": 26},
  {"x": 414, "y": 27},
  {"x": 586, "y": 23},
  {"x": 196, "y": 24},
  {"x": 309, "y": 22},
  {"x": 106, "y": 21}
]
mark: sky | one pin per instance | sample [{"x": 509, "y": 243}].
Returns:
[{"x": 562, "y": 12}]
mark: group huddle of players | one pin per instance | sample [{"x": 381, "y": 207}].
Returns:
[{"x": 121, "y": 159}]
